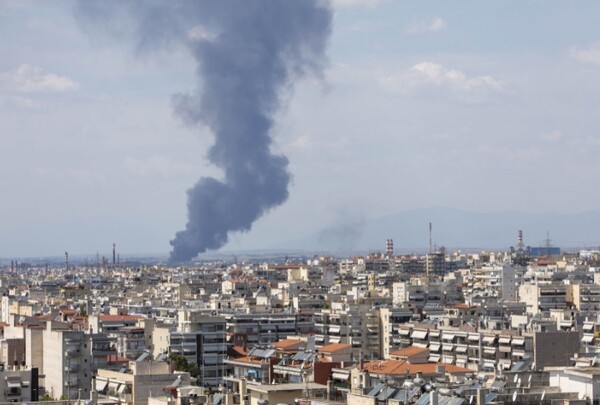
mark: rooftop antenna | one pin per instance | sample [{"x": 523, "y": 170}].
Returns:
[{"x": 548, "y": 242}]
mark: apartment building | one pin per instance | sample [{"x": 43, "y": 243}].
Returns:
[
  {"x": 544, "y": 297},
  {"x": 201, "y": 339},
  {"x": 471, "y": 348},
  {"x": 265, "y": 328},
  {"x": 143, "y": 380},
  {"x": 66, "y": 361}
]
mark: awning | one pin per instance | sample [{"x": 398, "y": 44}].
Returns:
[
  {"x": 434, "y": 333},
  {"x": 217, "y": 399},
  {"x": 461, "y": 349},
  {"x": 420, "y": 344},
  {"x": 566, "y": 324},
  {"x": 489, "y": 365},
  {"x": 404, "y": 332},
  {"x": 504, "y": 340},
  {"x": 334, "y": 339},
  {"x": 340, "y": 376},
  {"x": 587, "y": 338},
  {"x": 13, "y": 383},
  {"x": 434, "y": 347},
  {"x": 461, "y": 362},
  {"x": 121, "y": 388},
  {"x": 588, "y": 327},
  {"x": 434, "y": 357},
  {"x": 101, "y": 385},
  {"x": 419, "y": 334},
  {"x": 473, "y": 338},
  {"x": 518, "y": 341},
  {"x": 334, "y": 329},
  {"x": 489, "y": 339},
  {"x": 489, "y": 350},
  {"x": 583, "y": 362},
  {"x": 448, "y": 336},
  {"x": 447, "y": 348}
]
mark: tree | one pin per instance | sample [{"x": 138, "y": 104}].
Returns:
[{"x": 182, "y": 364}]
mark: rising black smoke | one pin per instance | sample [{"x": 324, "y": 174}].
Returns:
[{"x": 247, "y": 53}]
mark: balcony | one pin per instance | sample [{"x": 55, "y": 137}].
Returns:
[{"x": 72, "y": 368}]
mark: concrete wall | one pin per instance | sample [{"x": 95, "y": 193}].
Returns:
[
  {"x": 554, "y": 348},
  {"x": 575, "y": 383},
  {"x": 354, "y": 399}
]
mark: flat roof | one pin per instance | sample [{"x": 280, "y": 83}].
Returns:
[{"x": 286, "y": 387}]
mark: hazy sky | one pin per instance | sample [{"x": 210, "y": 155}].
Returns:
[{"x": 484, "y": 106}]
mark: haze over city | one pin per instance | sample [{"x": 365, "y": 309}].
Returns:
[{"x": 483, "y": 107}]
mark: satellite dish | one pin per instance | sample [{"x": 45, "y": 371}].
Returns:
[
  {"x": 529, "y": 379},
  {"x": 514, "y": 396},
  {"x": 519, "y": 383},
  {"x": 515, "y": 378},
  {"x": 543, "y": 395},
  {"x": 471, "y": 399}
]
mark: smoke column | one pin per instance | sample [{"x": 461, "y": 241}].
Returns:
[{"x": 247, "y": 52}]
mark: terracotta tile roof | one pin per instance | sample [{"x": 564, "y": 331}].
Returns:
[
  {"x": 402, "y": 367},
  {"x": 248, "y": 360},
  {"x": 409, "y": 351},
  {"x": 238, "y": 351},
  {"x": 334, "y": 347},
  {"x": 287, "y": 343},
  {"x": 463, "y": 306}
]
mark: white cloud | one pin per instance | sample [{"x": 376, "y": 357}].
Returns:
[
  {"x": 24, "y": 103},
  {"x": 553, "y": 136},
  {"x": 432, "y": 76},
  {"x": 589, "y": 54},
  {"x": 421, "y": 26},
  {"x": 32, "y": 79},
  {"x": 301, "y": 143}
]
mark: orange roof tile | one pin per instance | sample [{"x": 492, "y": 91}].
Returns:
[
  {"x": 287, "y": 343},
  {"x": 334, "y": 347},
  {"x": 402, "y": 367},
  {"x": 463, "y": 306},
  {"x": 409, "y": 351}
]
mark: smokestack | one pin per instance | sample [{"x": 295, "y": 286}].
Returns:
[
  {"x": 247, "y": 53},
  {"x": 67, "y": 261},
  {"x": 430, "y": 245},
  {"x": 520, "y": 245},
  {"x": 114, "y": 254},
  {"x": 389, "y": 248}
]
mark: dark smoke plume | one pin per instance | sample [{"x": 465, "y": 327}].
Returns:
[{"x": 247, "y": 52}]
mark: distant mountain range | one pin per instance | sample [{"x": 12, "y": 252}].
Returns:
[{"x": 455, "y": 229}]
